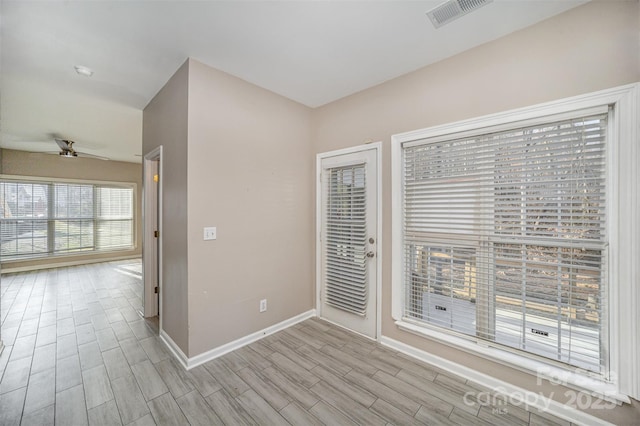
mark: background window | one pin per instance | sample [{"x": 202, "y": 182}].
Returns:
[{"x": 45, "y": 218}]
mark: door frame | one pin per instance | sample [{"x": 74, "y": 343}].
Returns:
[
  {"x": 377, "y": 147},
  {"x": 1, "y": 344},
  {"x": 152, "y": 199}
]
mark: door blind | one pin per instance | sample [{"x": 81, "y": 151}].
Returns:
[
  {"x": 504, "y": 238},
  {"x": 345, "y": 229}
]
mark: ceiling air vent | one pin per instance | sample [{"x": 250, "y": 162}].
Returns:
[{"x": 453, "y": 9}]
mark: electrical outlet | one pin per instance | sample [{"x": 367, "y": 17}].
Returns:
[{"x": 263, "y": 305}]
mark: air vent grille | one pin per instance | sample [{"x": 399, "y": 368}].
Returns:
[
  {"x": 469, "y": 5},
  {"x": 454, "y": 9},
  {"x": 447, "y": 12}
]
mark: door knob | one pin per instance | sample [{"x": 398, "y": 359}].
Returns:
[{"x": 370, "y": 254}]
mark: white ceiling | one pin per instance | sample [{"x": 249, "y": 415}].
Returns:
[{"x": 313, "y": 52}]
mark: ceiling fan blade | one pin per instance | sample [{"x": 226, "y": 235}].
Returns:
[
  {"x": 97, "y": 157},
  {"x": 44, "y": 152},
  {"x": 63, "y": 144}
]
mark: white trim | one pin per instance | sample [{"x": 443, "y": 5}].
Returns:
[
  {"x": 521, "y": 120},
  {"x": 532, "y": 399},
  {"x": 627, "y": 216},
  {"x": 377, "y": 147},
  {"x": 623, "y": 227},
  {"x": 526, "y": 364},
  {"x": 397, "y": 213},
  {"x": 379, "y": 243},
  {"x": 175, "y": 349},
  {"x": 635, "y": 236},
  {"x": 214, "y": 353},
  {"x": 350, "y": 150},
  {"x": 45, "y": 179},
  {"x": 150, "y": 308},
  {"x": 64, "y": 264}
]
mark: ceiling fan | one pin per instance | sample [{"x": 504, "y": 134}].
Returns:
[{"x": 66, "y": 150}]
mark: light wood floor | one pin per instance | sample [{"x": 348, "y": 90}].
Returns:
[{"x": 78, "y": 353}]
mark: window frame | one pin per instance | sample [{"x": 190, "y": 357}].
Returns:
[
  {"x": 472, "y": 227},
  {"x": 52, "y": 217},
  {"x": 623, "y": 205}
]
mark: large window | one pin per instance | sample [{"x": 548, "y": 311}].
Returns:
[
  {"x": 46, "y": 218},
  {"x": 515, "y": 236},
  {"x": 505, "y": 237}
]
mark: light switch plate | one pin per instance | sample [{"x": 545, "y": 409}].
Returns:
[{"x": 210, "y": 233}]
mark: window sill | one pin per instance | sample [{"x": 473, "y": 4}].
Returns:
[
  {"x": 535, "y": 367},
  {"x": 61, "y": 261},
  {"x": 76, "y": 254}
]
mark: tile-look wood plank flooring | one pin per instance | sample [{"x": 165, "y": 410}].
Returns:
[{"x": 77, "y": 352}]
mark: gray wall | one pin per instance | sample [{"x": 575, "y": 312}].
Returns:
[
  {"x": 237, "y": 157},
  {"x": 165, "y": 123},
  {"x": 250, "y": 171}
]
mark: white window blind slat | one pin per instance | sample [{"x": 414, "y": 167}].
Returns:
[
  {"x": 349, "y": 274},
  {"x": 505, "y": 238}
]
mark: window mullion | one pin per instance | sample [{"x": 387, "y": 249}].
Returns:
[
  {"x": 485, "y": 301},
  {"x": 51, "y": 216},
  {"x": 96, "y": 219}
]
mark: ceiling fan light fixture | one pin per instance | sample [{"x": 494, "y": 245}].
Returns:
[
  {"x": 68, "y": 154},
  {"x": 84, "y": 71}
]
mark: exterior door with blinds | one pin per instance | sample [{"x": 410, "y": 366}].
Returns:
[{"x": 349, "y": 240}]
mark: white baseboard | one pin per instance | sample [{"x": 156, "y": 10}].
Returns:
[
  {"x": 189, "y": 363},
  {"x": 174, "y": 349},
  {"x": 532, "y": 399}
]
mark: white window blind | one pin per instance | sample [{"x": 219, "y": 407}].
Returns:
[
  {"x": 345, "y": 216},
  {"x": 43, "y": 218},
  {"x": 114, "y": 218},
  {"x": 25, "y": 209},
  {"x": 74, "y": 213},
  {"x": 504, "y": 238}
]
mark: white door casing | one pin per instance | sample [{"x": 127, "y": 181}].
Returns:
[
  {"x": 348, "y": 245},
  {"x": 152, "y": 245}
]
